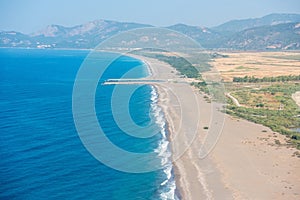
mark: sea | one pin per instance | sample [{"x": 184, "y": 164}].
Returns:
[{"x": 41, "y": 153}]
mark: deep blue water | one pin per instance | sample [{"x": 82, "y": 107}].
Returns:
[{"x": 41, "y": 154}]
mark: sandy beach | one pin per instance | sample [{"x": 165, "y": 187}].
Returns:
[{"x": 245, "y": 163}]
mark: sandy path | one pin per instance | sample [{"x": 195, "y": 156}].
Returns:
[
  {"x": 235, "y": 101},
  {"x": 296, "y": 97}
]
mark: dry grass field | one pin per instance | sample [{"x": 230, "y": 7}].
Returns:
[
  {"x": 258, "y": 99},
  {"x": 258, "y": 64}
]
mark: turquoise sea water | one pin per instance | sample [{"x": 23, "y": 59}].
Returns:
[{"x": 42, "y": 156}]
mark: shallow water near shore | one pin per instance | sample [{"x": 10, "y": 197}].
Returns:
[{"x": 41, "y": 153}]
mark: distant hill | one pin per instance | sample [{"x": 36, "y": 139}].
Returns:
[
  {"x": 272, "y": 19},
  {"x": 14, "y": 39},
  {"x": 55, "y": 36},
  {"x": 282, "y": 36},
  {"x": 207, "y": 37},
  {"x": 267, "y": 33},
  {"x": 272, "y": 32}
]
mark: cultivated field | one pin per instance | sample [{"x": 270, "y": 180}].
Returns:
[{"x": 258, "y": 64}]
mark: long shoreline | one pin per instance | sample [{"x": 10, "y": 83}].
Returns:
[
  {"x": 152, "y": 75},
  {"x": 246, "y": 163},
  {"x": 189, "y": 178}
]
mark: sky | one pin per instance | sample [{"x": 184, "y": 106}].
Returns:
[{"x": 28, "y": 16}]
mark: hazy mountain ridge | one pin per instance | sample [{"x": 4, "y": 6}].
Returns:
[
  {"x": 55, "y": 36},
  {"x": 205, "y": 36},
  {"x": 243, "y": 24},
  {"x": 282, "y": 36},
  {"x": 275, "y": 31}
]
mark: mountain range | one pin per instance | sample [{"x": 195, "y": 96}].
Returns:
[{"x": 271, "y": 32}]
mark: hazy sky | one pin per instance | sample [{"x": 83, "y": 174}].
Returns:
[{"x": 32, "y": 15}]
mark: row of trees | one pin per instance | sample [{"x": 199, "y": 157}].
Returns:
[
  {"x": 181, "y": 64},
  {"x": 252, "y": 79}
]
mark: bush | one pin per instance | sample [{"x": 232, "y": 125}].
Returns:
[{"x": 295, "y": 137}]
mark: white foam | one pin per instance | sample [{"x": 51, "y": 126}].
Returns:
[
  {"x": 163, "y": 151},
  {"x": 170, "y": 194},
  {"x": 168, "y": 171}
]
